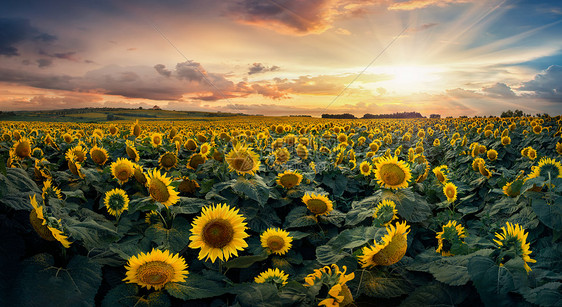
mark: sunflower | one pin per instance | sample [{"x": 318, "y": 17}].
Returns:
[
  {"x": 22, "y": 148},
  {"x": 99, "y": 155},
  {"x": 205, "y": 149},
  {"x": 531, "y": 154},
  {"x": 547, "y": 168},
  {"x": 450, "y": 236},
  {"x": 74, "y": 166},
  {"x": 302, "y": 151},
  {"x": 47, "y": 228},
  {"x": 79, "y": 153},
  {"x": 365, "y": 168},
  {"x": 190, "y": 145},
  {"x": 116, "y": 201},
  {"x": 139, "y": 174},
  {"x": 390, "y": 248},
  {"x": 195, "y": 160},
  {"x": 559, "y": 148},
  {"x": 131, "y": 151},
  {"x": 450, "y": 190},
  {"x": 160, "y": 189},
  {"x": 476, "y": 163},
  {"x": 513, "y": 242},
  {"x": 155, "y": 269},
  {"x": 391, "y": 173},
  {"x": 113, "y": 129},
  {"x": 441, "y": 173},
  {"x": 219, "y": 231},
  {"x": 289, "y": 179},
  {"x": 318, "y": 204},
  {"x": 277, "y": 277},
  {"x": 122, "y": 170},
  {"x": 282, "y": 155},
  {"x": 506, "y": 140},
  {"x": 492, "y": 154},
  {"x": 243, "y": 160},
  {"x": 136, "y": 129},
  {"x": 188, "y": 186},
  {"x": 276, "y": 241},
  {"x": 436, "y": 143},
  {"x": 156, "y": 139},
  {"x": 484, "y": 170},
  {"x": 385, "y": 212},
  {"x": 334, "y": 280},
  {"x": 49, "y": 190},
  {"x": 168, "y": 160}
]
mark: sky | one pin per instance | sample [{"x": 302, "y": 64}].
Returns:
[{"x": 284, "y": 57}]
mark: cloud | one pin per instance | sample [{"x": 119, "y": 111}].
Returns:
[
  {"x": 422, "y": 27},
  {"x": 420, "y": 4},
  {"x": 17, "y": 30},
  {"x": 260, "y": 68},
  {"x": 44, "y": 63},
  {"x": 161, "y": 69},
  {"x": 547, "y": 85},
  {"x": 499, "y": 90}
]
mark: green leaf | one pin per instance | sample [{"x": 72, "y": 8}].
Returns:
[
  {"x": 42, "y": 284},
  {"x": 435, "y": 294},
  {"x": 188, "y": 205},
  {"x": 174, "y": 239},
  {"x": 379, "y": 285},
  {"x": 254, "y": 189},
  {"x": 142, "y": 204},
  {"x": 16, "y": 188},
  {"x": 93, "y": 231},
  {"x": 127, "y": 295},
  {"x": 195, "y": 287},
  {"x": 411, "y": 207},
  {"x": 549, "y": 294},
  {"x": 453, "y": 270},
  {"x": 258, "y": 295},
  {"x": 550, "y": 213},
  {"x": 244, "y": 261},
  {"x": 327, "y": 254}
]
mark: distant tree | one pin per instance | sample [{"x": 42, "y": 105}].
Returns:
[
  {"x": 110, "y": 117},
  {"x": 140, "y": 108}
]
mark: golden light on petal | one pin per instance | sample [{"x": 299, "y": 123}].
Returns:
[{"x": 513, "y": 237}]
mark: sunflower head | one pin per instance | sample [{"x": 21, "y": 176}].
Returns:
[
  {"x": 391, "y": 173},
  {"x": 282, "y": 155},
  {"x": 156, "y": 139},
  {"x": 160, "y": 189},
  {"x": 441, "y": 173},
  {"x": 136, "y": 129},
  {"x": 333, "y": 283},
  {"x": 385, "y": 212},
  {"x": 365, "y": 168},
  {"x": 116, "y": 201},
  {"x": 131, "y": 151},
  {"x": 99, "y": 155},
  {"x": 190, "y": 145},
  {"x": 484, "y": 170},
  {"x": 155, "y": 269},
  {"x": 492, "y": 154},
  {"x": 188, "y": 186},
  {"x": 276, "y": 241},
  {"x": 122, "y": 170},
  {"x": 506, "y": 140},
  {"x": 318, "y": 204},
  {"x": 195, "y": 160},
  {"x": 559, "y": 148},
  {"x": 50, "y": 191},
  {"x": 302, "y": 151},
  {"x": 243, "y": 160},
  {"x": 289, "y": 179},
  {"x": 47, "y": 227},
  {"x": 547, "y": 168},
  {"x": 450, "y": 191},
  {"x": 219, "y": 232},
  {"x": 512, "y": 242},
  {"x": 389, "y": 249},
  {"x": 274, "y": 276},
  {"x": 450, "y": 239},
  {"x": 79, "y": 153},
  {"x": 476, "y": 163},
  {"x": 22, "y": 148},
  {"x": 205, "y": 149},
  {"x": 168, "y": 160}
]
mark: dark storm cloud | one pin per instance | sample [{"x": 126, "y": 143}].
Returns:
[
  {"x": 16, "y": 30},
  {"x": 501, "y": 90},
  {"x": 44, "y": 63},
  {"x": 546, "y": 85},
  {"x": 190, "y": 71},
  {"x": 161, "y": 69},
  {"x": 260, "y": 68}
]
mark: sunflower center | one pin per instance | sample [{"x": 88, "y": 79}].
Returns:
[
  {"x": 116, "y": 202},
  {"x": 317, "y": 206},
  {"x": 23, "y": 149},
  {"x": 131, "y": 153},
  {"x": 218, "y": 233},
  {"x": 196, "y": 160},
  {"x": 168, "y": 160},
  {"x": 123, "y": 172},
  {"x": 242, "y": 163},
  {"x": 136, "y": 130},
  {"x": 392, "y": 174},
  {"x": 289, "y": 180},
  {"x": 275, "y": 243},
  {"x": 157, "y": 140},
  {"x": 155, "y": 273},
  {"x": 450, "y": 192},
  {"x": 440, "y": 176},
  {"x": 158, "y": 190},
  {"x": 365, "y": 168},
  {"x": 98, "y": 156},
  {"x": 79, "y": 155},
  {"x": 393, "y": 252}
]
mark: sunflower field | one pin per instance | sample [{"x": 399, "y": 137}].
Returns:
[{"x": 282, "y": 212}]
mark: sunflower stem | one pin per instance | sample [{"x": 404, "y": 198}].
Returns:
[{"x": 163, "y": 219}]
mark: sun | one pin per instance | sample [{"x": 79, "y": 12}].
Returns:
[{"x": 409, "y": 78}]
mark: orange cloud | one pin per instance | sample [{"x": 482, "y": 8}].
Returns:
[{"x": 420, "y": 4}]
